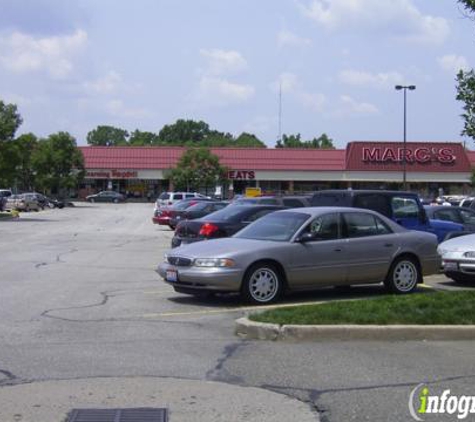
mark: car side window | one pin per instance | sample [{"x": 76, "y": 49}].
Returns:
[
  {"x": 324, "y": 227},
  {"x": 268, "y": 201},
  {"x": 189, "y": 195},
  {"x": 177, "y": 196},
  {"x": 468, "y": 217},
  {"x": 293, "y": 202},
  {"x": 404, "y": 207},
  {"x": 373, "y": 202},
  {"x": 363, "y": 225},
  {"x": 448, "y": 215}
]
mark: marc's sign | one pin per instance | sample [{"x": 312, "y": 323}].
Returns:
[{"x": 420, "y": 155}]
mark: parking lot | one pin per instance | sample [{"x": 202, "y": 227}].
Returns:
[{"x": 81, "y": 304}]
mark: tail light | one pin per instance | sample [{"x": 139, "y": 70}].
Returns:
[{"x": 208, "y": 229}]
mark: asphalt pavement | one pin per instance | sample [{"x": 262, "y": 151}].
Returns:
[{"x": 86, "y": 322}]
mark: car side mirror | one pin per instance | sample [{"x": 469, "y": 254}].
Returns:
[{"x": 306, "y": 237}]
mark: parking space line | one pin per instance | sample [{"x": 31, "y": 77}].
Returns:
[{"x": 228, "y": 310}]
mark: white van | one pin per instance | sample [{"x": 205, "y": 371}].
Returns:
[{"x": 169, "y": 198}]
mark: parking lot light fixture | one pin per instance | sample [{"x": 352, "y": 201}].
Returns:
[{"x": 404, "y": 160}]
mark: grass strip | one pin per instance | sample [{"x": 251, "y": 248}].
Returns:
[{"x": 439, "y": 308}]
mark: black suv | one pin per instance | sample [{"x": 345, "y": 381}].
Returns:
[{"x": 405, "y": 208}]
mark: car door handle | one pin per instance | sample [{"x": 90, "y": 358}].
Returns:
[
  {"x": 388, "y": 245},
  {"x": 338, "y": 249}
]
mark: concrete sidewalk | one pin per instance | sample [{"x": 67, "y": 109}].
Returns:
[{"x": 186, "y": 400}]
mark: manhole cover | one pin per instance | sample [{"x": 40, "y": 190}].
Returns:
[{"x": 118, "y": 415}]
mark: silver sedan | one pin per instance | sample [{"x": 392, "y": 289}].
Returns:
[
  {"x": 458, "y": 258},
  {"x": 303, "y": 249}
]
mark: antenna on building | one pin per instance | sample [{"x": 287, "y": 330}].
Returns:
[{"x": 280, "y": 110}]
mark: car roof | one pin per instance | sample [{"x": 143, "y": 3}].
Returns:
[{"x": 353, "y": 192}]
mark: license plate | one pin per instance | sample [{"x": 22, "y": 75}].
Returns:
[
  {"x": 450, "y": 266},
  {"x": 172, "y": 276}
]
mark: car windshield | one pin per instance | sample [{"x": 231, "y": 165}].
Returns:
[
  {"x": 182, "y": 205},
  {"x": 199, "y": 206},
  {"x": 277, "y": 226}
]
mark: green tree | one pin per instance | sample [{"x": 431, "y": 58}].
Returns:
[
  {"x": 248, "y": 140},
  {"x": 107, "y": 136},
  {"x": 139, "y": 138},
  {"x": 295, "y": 141},
  {"x": 59, "y": 164},
  {"x": 26, "y": 146},
  {"x": 183, "y": 132},
  {"x": 469, "y": 5},
  {"x": 466, "y": 94},
  {"x": 10, "y": 121},
  {"x": 197, "y": 168}
]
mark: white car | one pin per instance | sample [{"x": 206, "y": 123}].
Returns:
[
  {"x": 458, "y": 258},
  {"x": 169, "y": 198}
]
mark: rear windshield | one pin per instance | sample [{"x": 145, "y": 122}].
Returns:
[
  {"x": 164, "y": 196},
  {"x": 226, "y": 214}
]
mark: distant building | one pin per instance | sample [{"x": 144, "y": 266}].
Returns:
[{"x": 362, "y": 165}]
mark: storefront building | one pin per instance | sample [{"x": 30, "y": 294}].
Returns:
[{"x": 428, "y": 167}]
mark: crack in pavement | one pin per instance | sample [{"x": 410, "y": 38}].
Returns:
[
  {"x": 106, "y": 296},
  {"x": 312, "y": 396},
  {"x": 10, "y": 378},
  {"x": 219, "y": 373}
]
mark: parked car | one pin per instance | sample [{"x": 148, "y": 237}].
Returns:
[
  {"x": 107, "y": 196},
  {"x": 405, "y": 208},
  {"x": 460, "y": 215},
  {"x": 4, "y": 194},
  {"x": 23, "y": 202},
  {"x": 468, "y": 202},
  {"x": 458, "y": 258},
  {"x": 223, "y": 223},
  {"x": 197, "y": 210},
  {"x": 163, "y": 214},
  {"x": 303, "y": 249},
  {"x": 170, "y": 198},
  {"x": 284, "y": 201}
]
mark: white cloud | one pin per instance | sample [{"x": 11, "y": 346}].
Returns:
[
  {"x": 399, "y": 17},
  {"x": 350, "y": 107},
  {"x": 21, "y": 53},
  {"x": 221, "y": 62},
  {"x": 361, "y": 78},
  {"x": 221, "y": 92},
  {"x": 452, "y": 63},
  {"x": 286, "y": 38},
  {"x": 289, "y": 84},
  {"x": 117, "y": 108},
  {"x": 109, "y": 84}
]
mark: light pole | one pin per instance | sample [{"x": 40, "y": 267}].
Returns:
[{"x": 404, "y": 160}]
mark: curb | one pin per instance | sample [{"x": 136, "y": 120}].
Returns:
[{"x": 247, "y": 329}]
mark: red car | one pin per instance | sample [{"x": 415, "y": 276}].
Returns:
[{"x": 162, "y": 215}]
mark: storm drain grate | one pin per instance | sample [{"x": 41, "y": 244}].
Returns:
[{"x": 119, "y": 415}]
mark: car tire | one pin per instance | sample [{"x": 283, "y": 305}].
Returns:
[
  {"x": 91, "y": 200},
  {"x": 116, "y": 201},
  {"x": 263, "y": 283},
  {"x": 403, "y": 276},
  {"x": 173, "y": 227}
]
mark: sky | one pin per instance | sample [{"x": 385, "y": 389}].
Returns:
[{"x": 267, "y": 67}]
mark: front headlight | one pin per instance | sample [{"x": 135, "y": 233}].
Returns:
[
  {"x": 442, "y": 251},
  {"x": 213, "y": 262}
]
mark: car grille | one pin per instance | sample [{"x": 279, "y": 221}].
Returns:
[{"x": 179, "y": 261}]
